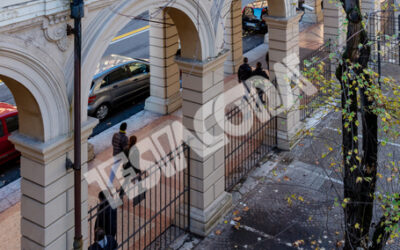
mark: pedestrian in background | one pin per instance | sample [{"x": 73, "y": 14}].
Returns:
[
  {"x": 120, "y": 144},
  {"x": 244, "y": 71},
  {"x": 103, "y": 241},
  {"x": 106, "y": 216},
  {"x": 259, "y": 71}
]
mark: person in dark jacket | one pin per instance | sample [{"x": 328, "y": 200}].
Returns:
[
  {"x": 106, "y": 216},
  {"x": 120, "y": 140},
  {"x": 259, "y": 71},
  {"x": 244, "y": 71},
  {"x": 120, "y": 145},
  {"x": 103, "y": 241}
]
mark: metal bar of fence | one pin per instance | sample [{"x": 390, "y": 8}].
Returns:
[
  {"x": 245, "y": 151},
  {"x": 164, "y": 216}
]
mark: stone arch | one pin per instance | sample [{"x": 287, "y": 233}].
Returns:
[
  {"x": 37, "y": 84},
  {"x": 106, "y": 24}
]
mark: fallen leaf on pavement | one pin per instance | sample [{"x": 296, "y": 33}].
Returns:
[
  {"x": 237, "y": 218},
  {"x": 286, "y": 178},
  {"x": 298, "y": 243},
  {"x": 237, "y": 226},
  {"x": 236, "y": 212},
  {"x": 246, "y": 209},
  {"x": 218, "y": 232}
]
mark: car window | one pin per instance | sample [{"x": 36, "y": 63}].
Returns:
[
  {"x": 12, "y": 123},
  {"x": 248, "y": 11},
  {"x": 118, "y": 75},
  {"x": 104, "y": 82},
  {"x": 137, "y": 68},
  {"x": 1, "y": 129}
]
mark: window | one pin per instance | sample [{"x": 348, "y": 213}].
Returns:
[
  {"x": 118, "y": 75},
  {"x": 104, "y": 82},
  {"x": 137, "y": 68},
  {"x": 12, "y": 123},
  {"x": 1, "y": 129}
]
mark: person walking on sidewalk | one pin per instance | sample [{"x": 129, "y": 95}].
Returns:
[
  {"x": 103, "y": 241},
  {"x": 106, "y": 216},
  {"x": 259, "y": 71},
  {"x": 120, "y": 144},
  {"x": 244, "y": 71}
]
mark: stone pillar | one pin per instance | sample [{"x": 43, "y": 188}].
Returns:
[
  {"x": 315, "y": 16},
  {"x": 233, "y": 38},
  {"x": 47, "y": 191},
  {"x": 284, "y": 68},
  {"x": 369, "y": 6},
  {"x": 334, "y": 19},
  {"x": 165, "y": 96},
  {"x": 203, "y": 82}
]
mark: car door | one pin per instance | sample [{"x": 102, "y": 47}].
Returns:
[
  {"x": 11, "y": 125},
  {"x": 140, "y": 78},
  {"x": 3, "y": 140},
  {"x": 118, "y": 82}
]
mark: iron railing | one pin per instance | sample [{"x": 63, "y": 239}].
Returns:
[
  {"x": 155, "y": 218},
  {"x": 383, "y": 32},
  {"x": 249, "y": 143},
  {"x": 313, "y": 61}
]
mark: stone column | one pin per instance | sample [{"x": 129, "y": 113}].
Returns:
[
  {"x": 233, "y": 38},
  {"x": 315, "y": 16},
  {"x": 334, "y": 19},
  {"x": 203, "y": 82},
  {"x": 47, "y": 189},
  {"x": 284, "y": 63},
  {"x": 165, "y": 96}
]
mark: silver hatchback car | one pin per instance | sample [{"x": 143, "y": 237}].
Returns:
[{"x": 118, "y": 84}]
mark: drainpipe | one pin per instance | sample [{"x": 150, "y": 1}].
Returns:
[{"x": 77, "y": 12}]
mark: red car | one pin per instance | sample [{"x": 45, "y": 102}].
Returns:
[{"x": 8, "y": 124}]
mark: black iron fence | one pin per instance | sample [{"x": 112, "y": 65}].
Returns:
[
  {"x": 316, "y": 67},
  {"x": 152, "y": 219},
  {"x": 383, "y": 32},
  {"x": 252, "y": 133}
]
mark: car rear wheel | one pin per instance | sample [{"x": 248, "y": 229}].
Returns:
[{"x": 102, "y": 111}]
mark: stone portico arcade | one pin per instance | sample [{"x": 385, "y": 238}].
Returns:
[{"x": 36, "y": 63}]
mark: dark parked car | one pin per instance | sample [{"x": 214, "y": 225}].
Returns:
[
  {"x": 8, "y": 124},
  {"x": 120, "y": 81},
  {"x": 252, "y": 17}
]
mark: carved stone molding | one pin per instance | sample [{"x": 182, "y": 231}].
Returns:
[{"x": 55, "y": 30}]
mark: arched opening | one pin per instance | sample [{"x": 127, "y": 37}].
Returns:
[{"x": 35, "y": 82}]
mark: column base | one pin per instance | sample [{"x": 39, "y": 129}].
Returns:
[
  {"x": 164, "y": 106},
  {"x": 231, "y": 67},
  {"x": 288, "y": 140},
  {"x": 202, "y": 222}
]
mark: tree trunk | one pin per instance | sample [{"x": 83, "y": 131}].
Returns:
[{"x": 359, "y": 192}]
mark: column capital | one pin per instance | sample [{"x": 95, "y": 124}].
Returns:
[
  {"x": 45, "y": 152},
  {"x": 196, "y": 67},
  {"x": 283, "y": 22}
]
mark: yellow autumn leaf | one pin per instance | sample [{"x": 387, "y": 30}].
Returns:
[
  {"x": 237, "y": 218},
  {"x": 359, "y": 179},
  {"x": 357, "y": 226}
]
